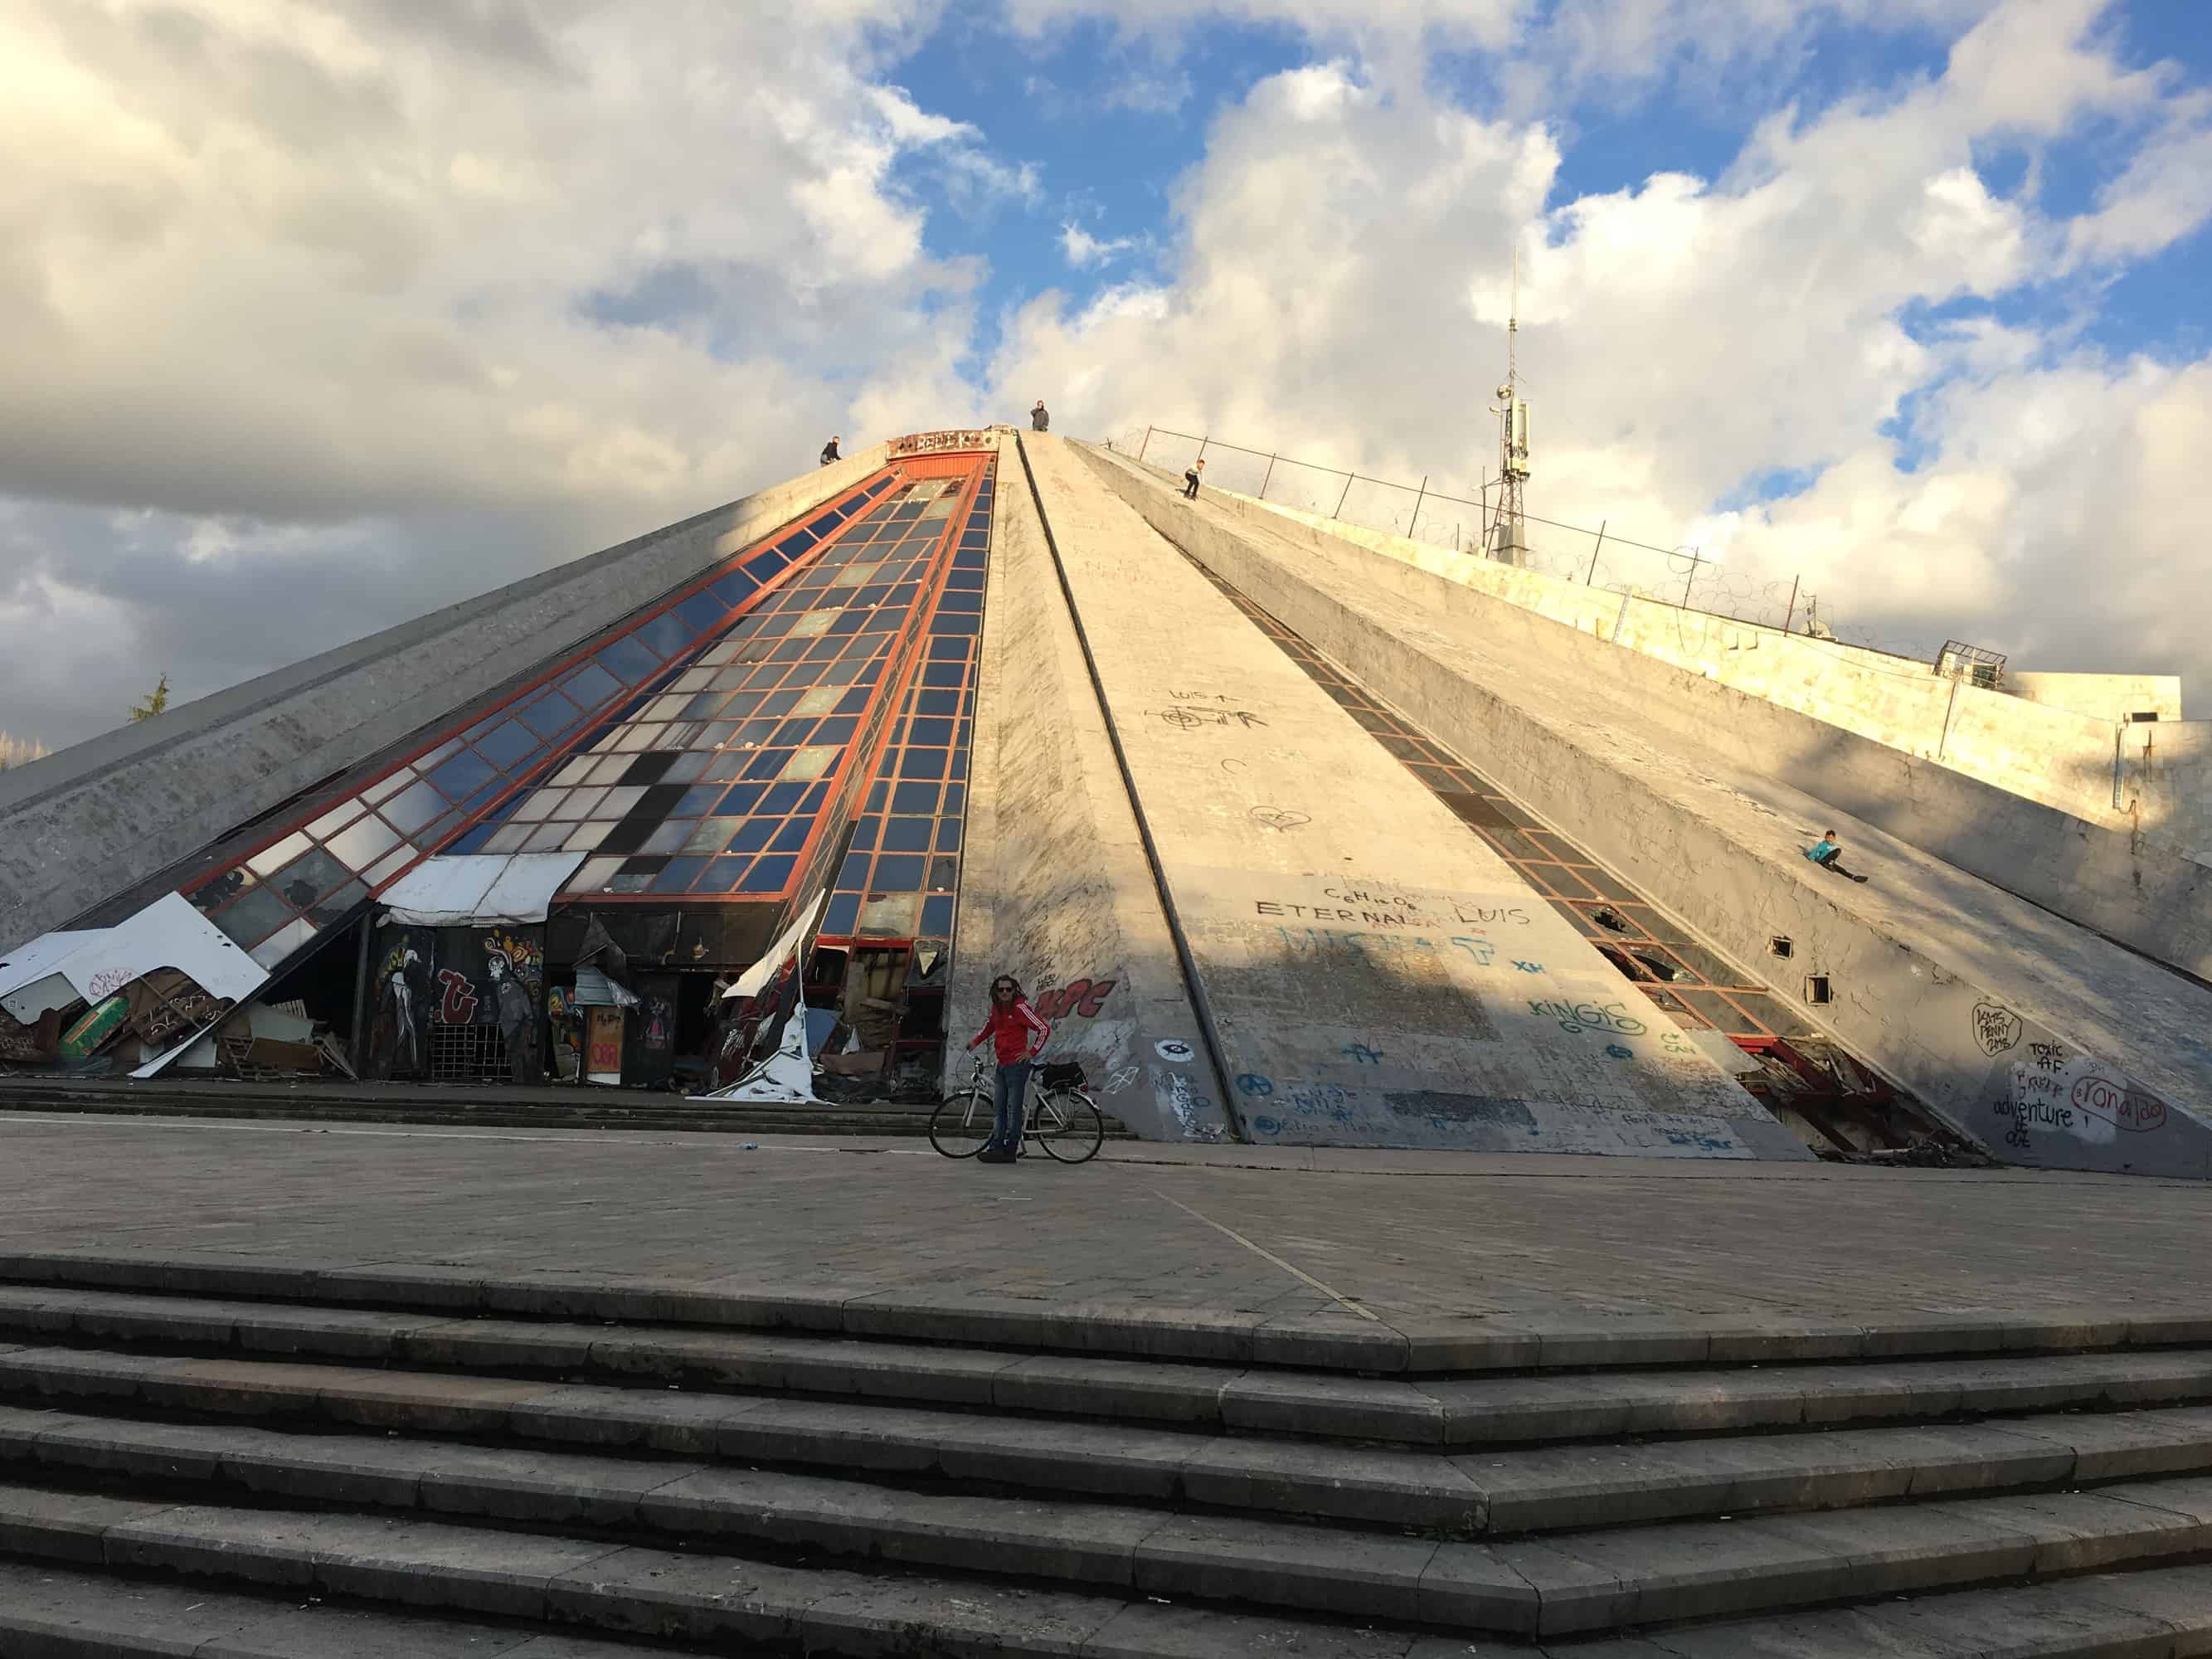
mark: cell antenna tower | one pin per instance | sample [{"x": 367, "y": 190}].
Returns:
[{"x": 1509, "y": 537}]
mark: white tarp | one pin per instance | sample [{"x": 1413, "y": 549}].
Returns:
[
  {"x": 479, "y": 889},
  {"x": 754, "y": 979}
]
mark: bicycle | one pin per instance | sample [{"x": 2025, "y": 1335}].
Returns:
[{"x": 1057, "y": 1114}]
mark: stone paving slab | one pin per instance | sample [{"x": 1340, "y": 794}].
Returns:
[{"x": 1454, "y": 1257}]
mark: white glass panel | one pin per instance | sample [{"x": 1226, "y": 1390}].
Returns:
[
  {"x": 582, "y": 802},
  {"x": 508, "y": 838},
  {"x": 388, "y": 786},
  {"x": 345, "y": 813},
  {"x": 668, "y": 837},
  {"x": 610, "y": 770},
  {"x": 694, "y": 679},
  {"x": 366, "y": 842},
  {"x": 389, "y": 865},
  {"x": 635, "y": 739},
  {"x": 619, "y": 801},
  {"x": 548, "y": 838},
  {"x": 572, "y": 770},
  {"x": 665, "y": 709},
  {"x": 275, "y": 858},
  {"x": 585, "y": 836},
  {"x": 594, "y": 875},
  {"x": 538, "y": 803}
]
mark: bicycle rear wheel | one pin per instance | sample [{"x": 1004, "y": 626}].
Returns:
[
  {"x": 1069, "y": 1127},
  {"x": 961, "y": 1124}
]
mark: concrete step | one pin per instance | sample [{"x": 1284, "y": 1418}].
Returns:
[
  {"x": 1463, "y": 1412},
  {"x": 49, "y": 1612},
  {"x": 1495, "y": 1492},
  {"x": 1604, "y": 1580},
  {"x": 52, "y": 1612},
  {"x": 1413, "y": 1347}
]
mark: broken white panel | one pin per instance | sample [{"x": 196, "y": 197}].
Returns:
[
  {"x": 785, "y": 1077},
  {"x": 474, "y": 890},
  {"x": 754, "y": 979},
  {"x": 28, "y": 982},
  {"x": 167, "y": 933}
]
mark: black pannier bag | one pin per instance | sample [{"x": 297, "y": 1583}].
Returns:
[{"x": 1061, "y": 1074}]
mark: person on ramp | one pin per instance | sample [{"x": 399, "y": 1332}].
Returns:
[{"x": 1018, "y": 1034}]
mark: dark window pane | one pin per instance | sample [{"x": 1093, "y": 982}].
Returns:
[
  {"x": 627, "y": 836},
  {"x": 765, "y": 565},
  {"x": 734, "y": 589},
  {"x": 678, "y": 875},
  {"x": 412, "y": 808},
  {"x": 944, "y": 874},
  {"x": 768, "y": 763},
  {"x": 906, "y": 835},
  {"x": 864, "y": 833},
  {"x": 956, "y": 798},
  {"x": 475, "y": 839},
  {"x": 721, "y": 875},
  {"x": 697, "y": 802},
  {"x": 754, "y": 834},
  {"x": 701, "y": 611},
  {"x": 590, "y": 686},
  {"x": 547, "y": 712},
  {"x": 741, "y": 800},
  {"x": 948, "y": 835},
  {"x": 937, "y": 913},
  {"x": 648, "y": 768},
  {"x": 922, "y": 764},
  {"x": 930, "y": 731},
  {"x": 953, "y": 624},
  {"x": 626, "y": 660},
  {"x": 665, "y": 635},
  {"x": 461, "y": 777},
  {"x": 504, "y": 745},
  {"x": 854, "y": 871},
  {"x": 766, "y": 876},
  {"x": 254, "y": 917},
  {"x": 796, "y": 543},
  {"x": 810, "y": 803},
  {"x": 837, "y": 920},
  {"x": 308, "y": 878},
  {"x": 895, "y": 872},
  {"x": 792, "y": 837},
  {"x": 945, "y": 673}
]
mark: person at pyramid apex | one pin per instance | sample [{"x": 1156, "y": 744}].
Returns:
[
  {"x": 829, "y": 453},
  {"x": 1040, "y": 420}
]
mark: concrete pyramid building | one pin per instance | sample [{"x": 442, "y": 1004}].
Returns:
[{"x": 1298, "y": 834}]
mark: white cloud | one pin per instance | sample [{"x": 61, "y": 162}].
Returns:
[{"x": 1084, "y": 251}]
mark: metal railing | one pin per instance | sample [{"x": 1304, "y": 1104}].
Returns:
[{"x": 1681, "y": 575}]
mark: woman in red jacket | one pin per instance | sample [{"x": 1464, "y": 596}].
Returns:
[{"x": 1018, "y": 1035}]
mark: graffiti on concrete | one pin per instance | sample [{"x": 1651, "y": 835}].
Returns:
[
  {"x": 1174, "y": 1050},
  {"x": 1251, "y": 1083},
  {"x": 1082, "y": 998},
  {"x": 1360, "y": 1054},
  {"x": 2081, "y": 1097},
  {"x": 1183, "y": 717},
  {"x": 1279, "y": 818},
  {"x": 1576, "y": 1018},
  {"x": 1997, "y": 1028},
  {"x": 1529, "y": 967},
  {"x": 931, "y": 443}
]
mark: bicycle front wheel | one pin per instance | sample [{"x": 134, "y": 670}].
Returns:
[
  {"x": 961, "y": 1124},
  {"x": 1069, "y": 1127}
]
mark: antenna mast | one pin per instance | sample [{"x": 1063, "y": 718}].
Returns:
[{"x": 1509, "y": 535}]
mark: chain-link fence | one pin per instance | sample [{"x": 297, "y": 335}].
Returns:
[{"x": 1430, "y": 511}]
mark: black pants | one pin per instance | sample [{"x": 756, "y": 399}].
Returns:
[
  {"x": 1834, "y": 861},
  {"x": 1190, "y": 486}
]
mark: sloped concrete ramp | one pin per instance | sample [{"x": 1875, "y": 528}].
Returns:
[{"x": 1376, "y": 975}]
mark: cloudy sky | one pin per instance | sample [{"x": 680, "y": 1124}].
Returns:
[{"x": 318, "y": 314}]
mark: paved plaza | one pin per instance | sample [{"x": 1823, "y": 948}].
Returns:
[{"x": 1290, "y": 1233}]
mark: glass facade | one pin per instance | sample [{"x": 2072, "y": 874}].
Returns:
[
  {"x": 900, "y": 878},
  {"x": 709, "y": 748}
]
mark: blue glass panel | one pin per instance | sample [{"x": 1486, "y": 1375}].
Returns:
[
  {"x": 701, "y": 611},
  {"x": 821, "y": 522},
  {"x": 971, "y": 539},
  {"x": 816, "y": 794},
  {"x": 755, "y": 834},
  {"x": 765, "y": 565},
  {"x": 665, "y": 635},
  {"x": 792, "y": 837},
  {"x": 782, "y": 799},
  {"x": 766, "y": 763},
  {"x": 547, "y": 712},
  {"x": 954, "y": 623},
  {"x": 930, "y": 731},
  {"x": 959, "y": 763},
  {"x": 698, "y": 801},
  {"x": 844, "y": 910},
  {"x": 838, "y": 730},
  {"x": 877, "y": 791},
  {"x": 937, "y": 913},
  {"x": 959, "y": 599},
  {"x": 791, "y": 734},
  {"x": 948, "y": 835},
  {"x": 854, "y": 871},
  {"x": 864, "y": 833},
  {"x": 766, "y": 876},
  {"x": 734, "y": 589},
  {"x": 678, "y": 875},
  {"x": 506, "y": 745},
  {"x": 626, "y": 660},
  {"x": 906, "y": 835},
  {"x": 590, "y": 686},
  {"x": 796, "y": 543},
  {"x": 914, "y": 797},
  {"x": 897, "y": 873},
  {"x": 475, "y": 838},
  {"x": 947, "y": 650},
  {"x": 721, "y": 876},
  {"x": 739, "y": 801},
  {"x": 956, "y": 798},
  {"x": 936, "y": 703},
  {"x": 463, "y": 775}
]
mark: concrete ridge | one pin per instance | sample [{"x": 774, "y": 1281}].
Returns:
[{"x": 1319, "y": 1342}]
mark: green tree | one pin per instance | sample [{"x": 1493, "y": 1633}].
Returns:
[{"x": 155, "y": 703}]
